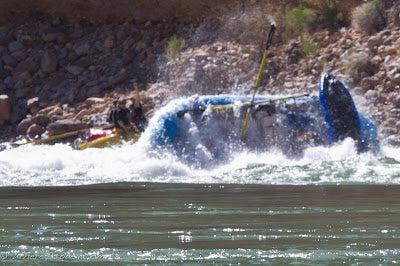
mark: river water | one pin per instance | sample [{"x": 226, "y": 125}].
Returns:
[{"x": 129, "y": 205}]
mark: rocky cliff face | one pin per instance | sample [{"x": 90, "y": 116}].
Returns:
[
  {"x": 61, "y": 66},
  {"x": 185, "y": 11}
]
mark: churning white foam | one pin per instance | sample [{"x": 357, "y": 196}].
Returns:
[{"x": 60, "y": 165}]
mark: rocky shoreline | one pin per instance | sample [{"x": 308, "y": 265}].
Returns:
[{"x": 62, "y": 75}]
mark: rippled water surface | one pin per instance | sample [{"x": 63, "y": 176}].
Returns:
[{"x": 156, "y": 223}]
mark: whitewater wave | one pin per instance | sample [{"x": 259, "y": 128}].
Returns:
[{"x": 60, "y": 165}]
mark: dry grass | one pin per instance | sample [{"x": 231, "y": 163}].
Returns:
[{"x": 368, "y": 17}]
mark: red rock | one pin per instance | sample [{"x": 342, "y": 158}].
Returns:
[
  {"x": 55, "y": 111},
  {"x": 47, "y": 110},
  {"x": 33, "y": 102},
  {"x": 24, "y": 125},
  {"x": 63, "y": 126},
  {"x": 35, "y": 130},
  {"x": 119, "y": 78},
  {"x": 373, "y": 42},
  {"x": 369, "y": 83},
  {"x": 94, "y": 91},
  {"x": 41, "y": 120}
]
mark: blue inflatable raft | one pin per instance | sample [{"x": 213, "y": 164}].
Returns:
[{"x": 293, "y": 122}]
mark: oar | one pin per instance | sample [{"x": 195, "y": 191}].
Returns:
[
  {"x": 270, "y": 35},
  {"x": 231, "y": 106},
  {"x": 60, "y": 136},
  {"x": 38, "y": 141},
  {"x": 192, "y": 111}
]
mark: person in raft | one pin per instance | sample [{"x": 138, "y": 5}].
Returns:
[
  {"x": 119, "y": 116},
  {"x": 137, "y": 115}
]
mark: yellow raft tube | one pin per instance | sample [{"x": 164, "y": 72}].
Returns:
[{"x": 109, "y": 138}]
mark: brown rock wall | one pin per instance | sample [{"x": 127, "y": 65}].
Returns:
[
  {"x": 54, "y": 66},
  {"x": 187, "y": 11}
]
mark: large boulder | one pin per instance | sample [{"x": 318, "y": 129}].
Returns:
[
  {"x": 64, "y": 125},
  {"x": 5, "y": 109},
  {"x": 49, "y": 110},
  {"x": 35, "y": 130},
  {"x": 33, "y": 105},
  {"x": 41, "y": 120},
  {"x": 24, "y": 125},
  {"x": 119, "y": 78}
]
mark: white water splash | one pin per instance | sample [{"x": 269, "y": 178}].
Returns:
[{"x": 60, "y": 165}]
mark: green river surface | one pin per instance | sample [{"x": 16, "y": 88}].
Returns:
[{"x": 162, "y": 224}]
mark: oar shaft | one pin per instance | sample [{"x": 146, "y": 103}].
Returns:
[
  {"x": 60, "y": 136},
  {"x": 270, "y": 35},
  {"x": 245, "y": 123},
  {"x": 260, "y": 72},
  {"x": 231, "y": 106}
]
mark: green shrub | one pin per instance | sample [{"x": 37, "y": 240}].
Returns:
[
  {"x": 316, "y": 14},
  {"x": 309, "y": 48},
  {"x": 328, "y": 15},
  {"x": 368, "y": 17},
  {"x": 356, "y": 64},
  {"x": 174, "y": 46},
  {"x": 298, "y": 20}
]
